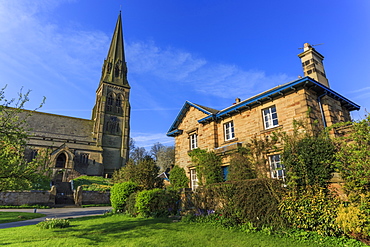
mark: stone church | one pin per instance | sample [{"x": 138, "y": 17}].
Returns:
[
  {"x": 96, "y": 146},
  {"x": 223, "y": 131}
]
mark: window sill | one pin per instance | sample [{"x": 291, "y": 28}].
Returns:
[
  {"x": 229, "y": 141},
  {"x": 271, "y": 129}
]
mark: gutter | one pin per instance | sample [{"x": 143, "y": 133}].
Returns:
[{"x": 321, "y": 109}]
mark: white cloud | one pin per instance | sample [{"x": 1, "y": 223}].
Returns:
[
  {"x": 181, "y": 67},
  {"x": 44, "y": 52},
  {"x": 147, "y": 140}
]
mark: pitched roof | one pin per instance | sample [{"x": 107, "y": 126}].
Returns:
[{"x": 263, "y": 97}]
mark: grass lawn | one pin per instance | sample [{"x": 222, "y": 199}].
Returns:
[
  {"x": 6, "y": 217},
  {"x": 120, "y": 230}
]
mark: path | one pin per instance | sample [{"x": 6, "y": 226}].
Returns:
[{"x": 54, "y": 213}]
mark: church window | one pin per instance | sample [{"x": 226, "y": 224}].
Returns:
[
  {"x": 32, "y": 155},
  {"x": 109, "y": 102},
  {"x": 119, "y": 104},
  {"x": 112, "y": 125},
  {"x": 84, "y": 158},
  {"x": 270, "y": 117}
]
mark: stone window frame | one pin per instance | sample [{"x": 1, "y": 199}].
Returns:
[
  {"x": 270, "y": 117},
  {"x": 84, "y": 158},
  {"x": 193, "y": 140},
  {"x": 229, "y": 131},
  {"x": 118, "y": 103},
  {"x": 110, "y": 101},
  {"x": 193, "y": 179},
  {"x": 277, "y": 169}
]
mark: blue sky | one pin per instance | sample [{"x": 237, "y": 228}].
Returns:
[{"x": 207, "y": 52}]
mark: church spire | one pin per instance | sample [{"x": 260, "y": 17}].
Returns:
[{"x": 114, "y": 68}]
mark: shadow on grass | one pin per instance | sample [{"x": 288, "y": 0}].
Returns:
[{"x": 116, "y": 226}]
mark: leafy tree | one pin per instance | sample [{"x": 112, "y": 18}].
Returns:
[
  {"x": 208, "y": 166},
  {"x": 155, "y": 149},
  {"x": 138, "y": 154},
  {"x": 16, "y": 172},
  {"x": 144, "y": 174},
  {"x": 353, "y": 155},
  {"x": 165, "y": 158},
  {"x": 178, "y": 178},
  {"x": 308, "y": 157},
  {"x": 241, "y": 165}
]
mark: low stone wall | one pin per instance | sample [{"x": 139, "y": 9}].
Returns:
[
  {"x": 17, "y": 198},
  {"x": 91, "y": 197}
]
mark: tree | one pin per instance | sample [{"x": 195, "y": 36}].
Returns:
[
  {"x": 155, "y": 149},
  {"x": 308, "y": 157},
  {"x": 138, "y": 154},
  {"x": 241, "y": 165},
  {"x": 165, "y": 158},
  {"x": 178, "y": 178},
  {"x": 353, "y": 155},
  {"x": 145, "y": 174},
  {"x": 16, "y": 173},
  {"x": 208, "y": 166}
]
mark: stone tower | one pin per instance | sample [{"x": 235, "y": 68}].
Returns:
[
  {"x": 313, "y": 65},
  {"x": 111, "y": 113}
]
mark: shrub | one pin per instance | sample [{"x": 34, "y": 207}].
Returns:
[
  {"x": 208, "y": 166},
  {"x": 241, "y": 165},
  {"x": 157, "y": 202},
  {"x": 130, "y": 207},
  {"x": 312, "y": 210},
  {"x": 144, "y": 174},
  {"x": 92, "y": 183},
  {"x": 119, "y": 194},
  {"x": 252, "y": 201},
  {"x": 52, "y": 223},
  {"x": 178, "y": 178},
  {"x": 308, "y": 161}
]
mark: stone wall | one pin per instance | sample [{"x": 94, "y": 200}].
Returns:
[
  {"x": 82, "y": 197},
  {"x": 249, "y": 123},
  {"x": 14, "y": 198}
]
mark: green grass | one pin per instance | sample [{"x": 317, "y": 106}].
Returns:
[
  {"x": 92, "y": 183},
  {"x": 6, "y": 217},
  {"x": 121, "y": 230}
]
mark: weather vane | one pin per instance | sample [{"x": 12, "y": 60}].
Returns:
[{"x": 307, "y": 45}]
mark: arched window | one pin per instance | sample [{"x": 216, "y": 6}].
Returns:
[
  {"x": 112, "y": 125},
  {"x": 119, "y": 104},
  {"x": 110, "y": 100},
  {"x": 61, "y": 161}
]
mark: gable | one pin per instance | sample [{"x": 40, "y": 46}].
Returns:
[{"x": 201, "y": 112}]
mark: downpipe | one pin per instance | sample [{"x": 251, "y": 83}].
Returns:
[{"x": 321, "y": 109}]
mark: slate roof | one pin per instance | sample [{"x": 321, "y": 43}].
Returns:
[{"x": 259, "y": 99}]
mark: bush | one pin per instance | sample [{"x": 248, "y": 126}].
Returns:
[
  {"x": 312, "y": 210},
  {"x": 92, "y": 183},
  {"x": 252, "y": 201},
  {"x": 157, "y": 202},
  {"x": 144, "y": 174},
  {"x": 52, "y": 223},
  {"x": 119, "y": 194},
  {"x": 178, "y": 178}
]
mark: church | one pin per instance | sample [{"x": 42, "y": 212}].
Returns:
[
  {"x": 96, "y": 146},
  {"x": 223, "y": 131}
]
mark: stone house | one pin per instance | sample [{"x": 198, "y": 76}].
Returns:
[
  {"x": 96, "y": 146},
  {"x": 222, "y": 131}
]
